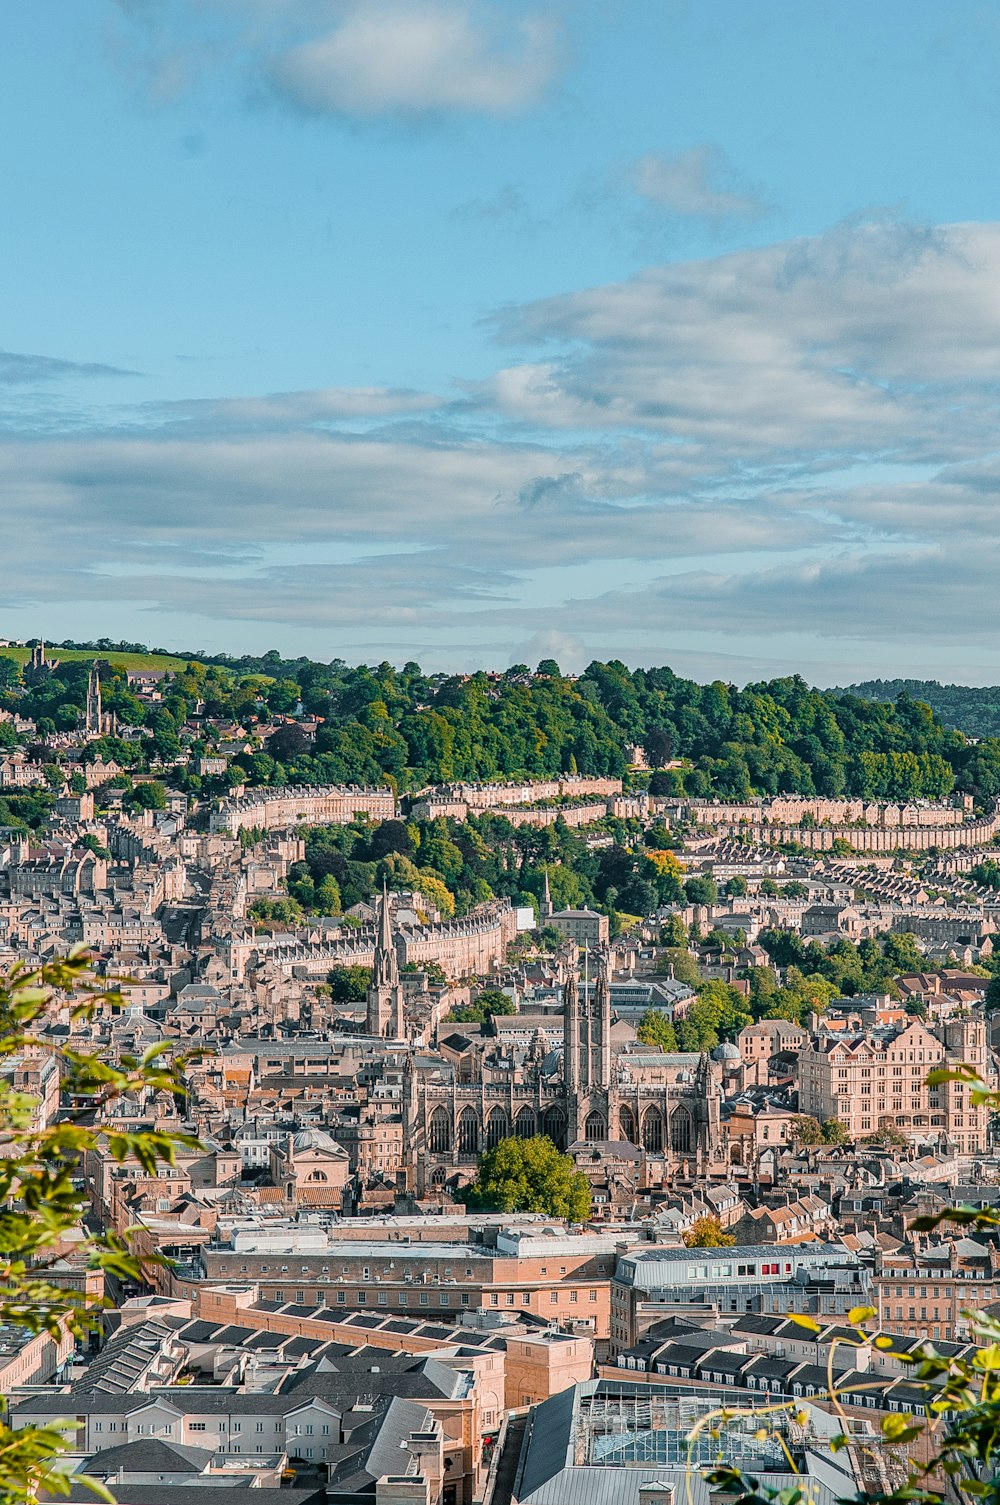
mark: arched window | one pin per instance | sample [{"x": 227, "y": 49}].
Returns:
[
  {"x": 596, "y": 1129},
  {"x": 317, "y": 1175},
  {"x": 438, "y": 1177},
  {"x": 497, "y": 1128},
  {"x": 626, "y": 1120},
  {"x": 440, "y": 1132},
  {"x": 468, "y": 1132},
  {"x": 525, "y": 1124},
  {"x": 554, "y": 1125},
  {"x": 652, "y": 1131},
  {"x": 681, "y": 1133}
]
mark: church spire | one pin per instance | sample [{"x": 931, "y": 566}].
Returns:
[
  {"x": 385, "y": 972},
  {"x": 385, "y": 995}
]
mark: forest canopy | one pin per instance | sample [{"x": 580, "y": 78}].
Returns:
[{"x": 378, "y": 723}]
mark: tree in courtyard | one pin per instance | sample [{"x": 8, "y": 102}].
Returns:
[
  {"x": 707, "y": 1233},
  {"x": 43, "y": 1192},
  {"x": 530, "y": 1175}
]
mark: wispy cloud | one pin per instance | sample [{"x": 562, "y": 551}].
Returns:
[
  {"x": 25, "y": 370},
  {"x": 419, "y": 58},
  {"x": 701, "y": 183}
]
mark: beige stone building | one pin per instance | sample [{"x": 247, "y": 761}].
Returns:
[{"x": 874, "y": 1081}]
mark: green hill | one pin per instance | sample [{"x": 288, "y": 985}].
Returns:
[
  {"x": 972, "y": 709},
  {"x": 117, "y": 660}
]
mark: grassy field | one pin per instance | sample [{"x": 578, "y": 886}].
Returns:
[{"x": 119, "y": 660}]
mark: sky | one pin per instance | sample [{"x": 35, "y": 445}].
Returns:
[{"x": 476, "y": 333}]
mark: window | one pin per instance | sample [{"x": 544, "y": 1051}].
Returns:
[
  {"x": 593, "y": 1295},
  {"x": 494, "y": 1298},
  {"x": 341, "y": 1298},
  {"x": 554, "y": 1298},
  {"x": 362, "y": 1298},
  {"x": 510, "y": 1298},
  {"x": 196, "y": 1426},
  {"x": 260, "y": 1426},
  {"x": 300, "y": 1297},
  {"x": 383, "y": 1299}
]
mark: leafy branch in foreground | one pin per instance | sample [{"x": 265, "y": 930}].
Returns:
[
  {"x": 956, "y": 1407},
  {"x": 43, "y": 1198}
]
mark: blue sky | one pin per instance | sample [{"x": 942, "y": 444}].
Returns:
[{"x": 474, "y": 332}]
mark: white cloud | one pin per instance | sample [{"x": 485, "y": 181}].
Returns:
[
  {"x": 421, "y": 57},
  {"x": 846, "y": 344},
  {"x": 285, "y": 410},
  {"x": 701, "y": 183},
  {"x": 786, "y": 449}
]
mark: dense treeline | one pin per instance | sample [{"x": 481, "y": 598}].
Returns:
[
  {"x": 973, "y": 709},
  {"x": 382, "y": 722},
  {"x": 458, "y": 865}
]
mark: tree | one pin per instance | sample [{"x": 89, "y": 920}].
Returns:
[
  {"x": 707, "y": 1233},
  {"x": 655, "y": 1028},
  {"x": 806, "y": 1129},
  {"x": 492, "y": 1001},
  {"x": 992, "y": 1003},
  {"x": 658, "y": 746},
  {"x": 349, "y": 984},
  {"x": 149, "y": 796},
  {"x": 530, "y": 1175},
  {"x": 701, "y": 890},
  {"x": 835, "y": 1132},
  {"x": 737, "y": 886},
  {"x": 678, "y": 962},
  {"x": 673, "y": 931},
  {"x": 44, "y": 1192}
]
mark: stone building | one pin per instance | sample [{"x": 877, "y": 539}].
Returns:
[
  {"x": 669, "y": 1105},
  {"x": 878, "y": 1080}
]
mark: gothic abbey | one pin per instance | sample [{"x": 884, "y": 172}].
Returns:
[{"x": 585, "y": 1092}]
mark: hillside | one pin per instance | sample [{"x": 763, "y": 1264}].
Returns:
[
  {"x": 117, "y": 660},
  {"x": 972, "y": 709},
  {"x": 366, "y": 724}
]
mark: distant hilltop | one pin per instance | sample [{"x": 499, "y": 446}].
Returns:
[
  {"x": 972, "y": 709},
  {"x": 264, "y": 720}
]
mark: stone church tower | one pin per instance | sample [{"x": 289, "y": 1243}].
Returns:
[{"x": 385, "y": 995}]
